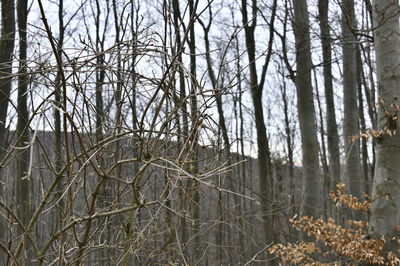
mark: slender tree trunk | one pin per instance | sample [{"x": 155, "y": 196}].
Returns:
[
  {"x": 245, "y": 231},
  {"x": 324, "y": 159},
  {"x": 289, "y": 143},
  {"x": 370, "y": 92},
  {"x": 224, "y": 132},
  {"x": 7, "y": 40},
  {"x": 323, "y": 155},
  {"x": 350, "y": 120},
  {"x": 332, "y": 132},
  {"x": 100, "y": 75},
  {"x": 194, "y": 184},
  {"x": 185, "y": 123},
  {"x": 57, "y": 116},
  {"x": 59, "y": 211},
  {"x": 6, "y": 51},
  {"x": 134, "y": 216},
  {"x": 264, "y": 158},
  {"x": 22, "y": 178},
  {"x": 363, "y": 126},
  {"x": 311, "y": 202},
  {"x": 386, "y": 197},
  {"x": 104, "y": 196}
]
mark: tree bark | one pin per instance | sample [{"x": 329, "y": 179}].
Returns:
[
  {"x": 332, "y": 131},
  {"x": 22, "y": 131},
  {"x": 104, "y": 196},
  {"x": 363, "y": 127},
  {"x": 57, "y": 116},
  {"x": 194, "y": 185},
  {"x": 220, "y": 236},
  {"x": 264, "y": 158},
  {"x": 184, "y": 108},
  {"x": 7, "y": 40},
  {"x": 351, "y": 126},
  {"x": 323, "y": 156},
  {"x": 311, "y": 203},
  {"x": 386, "y": 198}
]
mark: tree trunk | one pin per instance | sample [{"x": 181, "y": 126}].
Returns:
[
  {"x": 332, "y": 132},
  {"x": 194, "y": 185},
  {"x": 323, "y": 157},
  {"x": 386, "y": 198},
  {"x": 350, "y": 120},
  {"x": 22, "y": 178},
  {"x": 6, "y": 51},
  {"x": 105, "y": 192},
  {"x": 264, "y": 158},
  {"x": 363, "y": 127},
  {"x": 311, "y": 202},
  {"x": 133, "y": 217},
  {"x": 185, "y": 121},
  {"x": 289, "y": 143},
  {"x": 57, "y": 117}
]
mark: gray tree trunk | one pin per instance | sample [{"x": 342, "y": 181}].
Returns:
[
  {"x": 366, "y": 173},
  {"x": 264, "y": 158},
  {"x": 332, "y": 131},
  {"x": 179, "y": 42},
  {"x": 57, "y": 116},
  {"x": 311, "y": 203},
  {"x": 6, "y": 51},
  {"x": 386, "y": 197},
  {"x": 350, "y": 124},
  {"x": 22, "y": 179},
  {"x": 194, "y": 185},
  {"x": 104, "y": 196},
  {"x": 7, "y": 40},
  {"x": 220, "y": 236}
]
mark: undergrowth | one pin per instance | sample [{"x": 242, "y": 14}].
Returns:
[{"x": 333, "y": 244}]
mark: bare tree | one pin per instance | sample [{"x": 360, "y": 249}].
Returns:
[
  {"x": 350, "y": 124},
  {"x": 7, "y": 48},
  {"x": 57, "y": 114},
  {"x": 215, "y": 73},
  {"x": 194, "y": 135},
  {"x": 7, "y": 40},
  {"x": 386, "y": 199},
  {"x": 311, "y": 203},
  {"x": 264, "y": 158},
  {"x": 332, "y": 131},
  {"x": 22, "y": 177}
]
